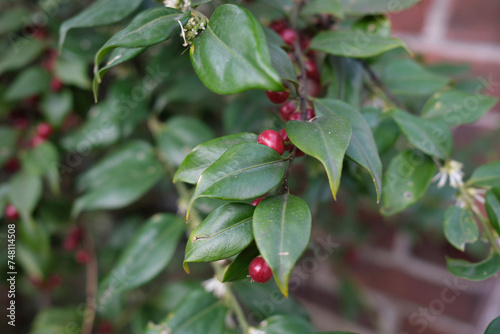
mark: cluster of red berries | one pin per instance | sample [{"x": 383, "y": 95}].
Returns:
[
  {"x": 49, "y": 64},
  {"x": 73, "y": 242},
  {"x": 48, "y": 284}
]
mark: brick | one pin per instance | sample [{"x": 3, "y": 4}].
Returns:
[
  {"x": 407, "y": 328},
  {"x": 410, "y": 20},
  {"x": 475, "y": 21},
  {"x": 380, "y": 233}
]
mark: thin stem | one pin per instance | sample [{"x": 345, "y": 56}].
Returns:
[
  {"x": 373, "y": 76},
  {"x": 91, "y": 286}
]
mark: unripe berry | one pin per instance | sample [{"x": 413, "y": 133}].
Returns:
[
  {"x": 256, "y": 202},
  {"x": 287, "y": 109},
  {"x": 273, "y": 140},
  {"x": 277, "y": 97},
  {"x": 289, "y": 36},
  {"x": 259, "y": 270},
  {"x": 11, "y": 212}
]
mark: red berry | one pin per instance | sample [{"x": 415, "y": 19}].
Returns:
[
  {"x": 36, "y": 141},
  {"x": 256, "y": 202},
  {"x": 311, "y": 69},
  {"x": 19, "y": 119},
  {"x": 313, "y": 87},
  {"x": 286, "y": 110},
  {"x": 105, "y": 327},
  {"x": 289, "y": 36},
  {"x": 44, "y": 130},
  {"x": 304, "y": 42},
  {"x": 310, "y": 113},
  {"x": 273, "y": 140},
  {"x": 296, "y": 116},
  {"x": 278, "y": 25},
  {"x": 299, "y": 153},
  {"x": 56, "y": 84},
  {"x": 54, "y": 281},
  {"x": 284, "y": 135},
  {"x": 82, "y": 257},
  {"x": 12, "y": 165},
  {"x": 11, "y": 212},
  {"x": 259, "y": 270},
  {"x": 73, "y": 239},
  {"x": 277, "y": 97}
]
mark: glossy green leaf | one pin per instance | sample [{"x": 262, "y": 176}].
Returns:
[
  {"x": 244, "y": 171},
  {"x": 12, "y": 20},
  {"x": 25, "y": 191},
  {"x": 232, "y": 56},
  {"x": 8, "y": 138},
  {"x": 225, "y": 232},
  {"x": 493, "y": 327},
  {"x": 238, "y": 269},
  {"x": 180, "y": 135},
  {"x": 282, "y": 228},
  {"x": 344, "y": 79},
  {"x": 431, "y": 136},
  {"x": 57, "y": 320},
  {"x": 459, "y": 227},
  {"x": 43, "y": 161},
  {"x": 362, "y": 148},
  {"x": 326, "y": 139},
  {"x": 29, "y": 82},
  {"x": 20, "y": 54},
  {"x": 287, "y": 324},
  {"x": 377, "y": 25},
  {"x": 474, "y": 271},
  {"x": 125, "y": 176},
  {"x": 145, "y": 256},
  {"x": 56, "y": 106},
  {"x": 406, "y": 180},
  {"x": 487, "y": 175},
  {"x": 407, "y": 77},
  {"x": 332, "y": 7},
  {"x": 354, "y": 44},
  {"x": 206, "y": 154},
  {"x": 100, "y": 13},
  {"x": 492, "y": 205},
  {"x": 281, "y": 5},
  {"x": 455, "y": 107},
  {"x": 375, "y": 6},
  {"x": 116, "y": 57},
  {"x": 73, "y": 72},
  {"x": 282, "y": 63}
]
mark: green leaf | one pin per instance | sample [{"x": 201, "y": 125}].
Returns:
[
  {"x": 325, "y": 139},
  {"x": 225, "y": 232},
  {"x": 492, "y": 205},
  {"x": 151, "y": 27},
  {"x": 8, "y": 138},
  {"x": 43, "y": 161},
  {"x": 180, "y": 135},
  {"x": 206, "y": 154},
  {"x": 56, "y": 320},
  {"x": 455, "y": 107},
  {"x": 362, "y": 148},
  {"x": 374, "y": 25},
  {"x": 286, "y": 324},
  {"x": 282, "y": 63},
  {"x": 20, "y": 54},
  {"x": 74, "y": 72},
  {"x": 238, "y": 269},
  {"x": 122, "y": 180},
  {"x": 486, "y": 175},
  {"x": 354, "y": 44},
  {"x": 375, "y": 6},
  {"x": 100, "y": 13},
  {"x": 30, "y": 82},
  {"x": 459, "y": 227},
  {"x": 431, "y": 136},
  {"x": 145, "y": 256},
  {"x": 232, "y": 56},
  {"x": 474, "y": 271},
  {"x": 406, "y": 180},
  {"x": 244, "y": 171},
  {"x": 118, "y": 56},
  {"x": 12, "y": 20},
  {"x": 332, "y": 7},
  {"x": 344, "y": 78},
  {"x": 407, "y": 77},
  {"x": 493, "y": 327},
  {"x": 56, "y": 106},
  {"x": 25, "y": 191},
  {"x": 282, "y": 228}
]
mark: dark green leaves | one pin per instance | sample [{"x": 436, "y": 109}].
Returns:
[
  {"x": 20, "y": 54},
  {"x": 492, "y": 205},
  {"x": 486, "y": 175},
  {"x": 283, "y": 323},
  {"x": 460, "y": 227},
  {"x": 282, "y": 63},
  {"x": 231, "y": 56},
  {"x": 406, "y": 180},
  {"x": 455, "y": 107},
  {"x": 8, "y": 139},
  {"x": 238, "y": 269},
  {"x": 225, "y": 232},
  {"x": 474, "y": 271},
  {"x": 32, "y": 81},
  {"x": 282, "y": 228},
  {"x": 325, "y": 139},
  {"x": 332, "y": 7},
  {"x": 431, "y": 136},
  {"x": 145, "y": 256},
  {"x": 244, "y": 171},
  {"x": 375, "y": 6},
  {"x": 493, "y": 327},
  {"x": 354, "y": 44},
  {"x": 206, "y": 154},
  {"x": 362, "y": 148},
  {"x": 100, "y": 13}
]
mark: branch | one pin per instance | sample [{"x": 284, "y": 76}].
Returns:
[{"x": 376, "y": 80}]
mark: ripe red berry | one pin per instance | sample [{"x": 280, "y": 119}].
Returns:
[
  {"x": 105, "y": 327},
  {"x": 56, "y": 84},
  {"x": 273, "y": 140},
  {"x": 310, "y": 113},
  {"x": 82, "y": 256},
  {"x": 313, "y": 87},
  {"x": 12, "y": 165},
  {"x": 259, "y": 270},
  {"x": 296, "y": 116},
  {"x": 73, "y": 238},
  {"x": 44, "y": 130},
  {"x": 36, "y": 141},
  {"x": 256, "y": 202},
  {"x": 11, "y": 212},
  {"x": 277, "y": 97},
  {"x": 284, "y": 135},
  {"x": 54, "y": 280},
  {"x": 311, "y": 69},
  {"x": 278, "y": 25},
  {"x": 289, "y": 36},
  {"x": 287, "y": 109}
]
